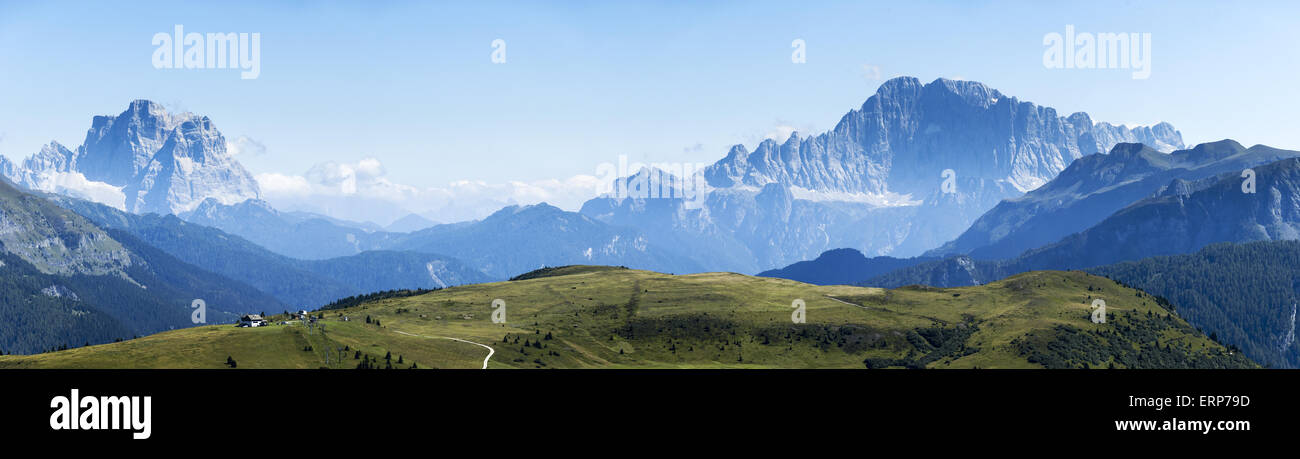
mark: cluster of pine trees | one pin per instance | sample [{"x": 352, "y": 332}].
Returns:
[{"x": 356, "y": 300}]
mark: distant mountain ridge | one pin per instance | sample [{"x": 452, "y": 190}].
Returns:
[
  {"x": 1179, "y": 219},
  {"x": 518, "y": 239},
  {"x": 296, "y": 282},
  {"x": 1093, "y": 188},
  {"x": 840, "y": 267},
  {"x": 291, "y": 234}
]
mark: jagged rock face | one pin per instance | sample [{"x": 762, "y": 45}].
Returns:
[
  {"x": 7, "y": 169},
  {"x": 52, "y": 157},
  {"x": 906, "y": 134},
  {"x": 896, "y": 148},
  {"x": 161, "y": 162},
  {"x": 118, "y": 147}
]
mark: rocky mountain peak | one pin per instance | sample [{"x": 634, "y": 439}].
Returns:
[
  {"x": 907, "y": 133},
  {"x": 161, "y": 162}
]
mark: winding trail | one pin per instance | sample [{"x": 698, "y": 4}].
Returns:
[
  {"x": 846, "y": 302},
  {"x": 485, "y": 359}
]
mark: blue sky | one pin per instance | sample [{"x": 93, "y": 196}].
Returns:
[{"x": 412, "y": 86}]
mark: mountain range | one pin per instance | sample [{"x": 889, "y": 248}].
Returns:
[
  {"x": 1094, "y": 187},
  {"x": 302, "y": 283},
  {"x": 1179, "y": 218},
  {"x": 875, "y": 182}
]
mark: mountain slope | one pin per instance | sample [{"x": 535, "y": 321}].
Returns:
[
  {"x": 390, "y": 270},
  {"x": 41, "y": 314},
  {"x": 519, "y": 239},
  {"x": 620, "y": 318},
  {"x": 1244, "y": 294},
  {"x": 1094, "y": 187},
  {"x": 295, "y": 235},
  {"x": 1185, "y": 219},
  {"x": 409, "y": 223},
  {"x": 299, "y": 283},
  {"x": 1182, "y": 218},
  {"x": 56, "y": 253}
]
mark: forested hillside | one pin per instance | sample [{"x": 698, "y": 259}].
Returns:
[{"x": 1242, "y": 295}]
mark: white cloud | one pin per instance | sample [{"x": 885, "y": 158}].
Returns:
[
  {"x": 780, "y": 132},
  {"x": 362, "y": 191},
  {"x": 245, "y": 146},
  {"x": 871, "y": 72},
  {"x": 283, "y": 185},
  {"x": 76, "y": 185}
]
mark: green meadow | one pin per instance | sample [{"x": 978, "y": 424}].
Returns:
[{"x": 607, "y": 317}]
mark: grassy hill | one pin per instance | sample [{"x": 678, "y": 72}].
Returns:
[{"x": 604, "y": 317}]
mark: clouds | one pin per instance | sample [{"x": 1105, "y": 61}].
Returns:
[
  {"x": 780, "y": 132},
  {"x": 76, "y": 185},
  {"x": 361, "y": 190},
  {"x": 871, "y": 72},
  {"x": 245, "y": 146}
]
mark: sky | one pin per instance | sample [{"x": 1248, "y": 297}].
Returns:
[{"x": 406, "y": 101}]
